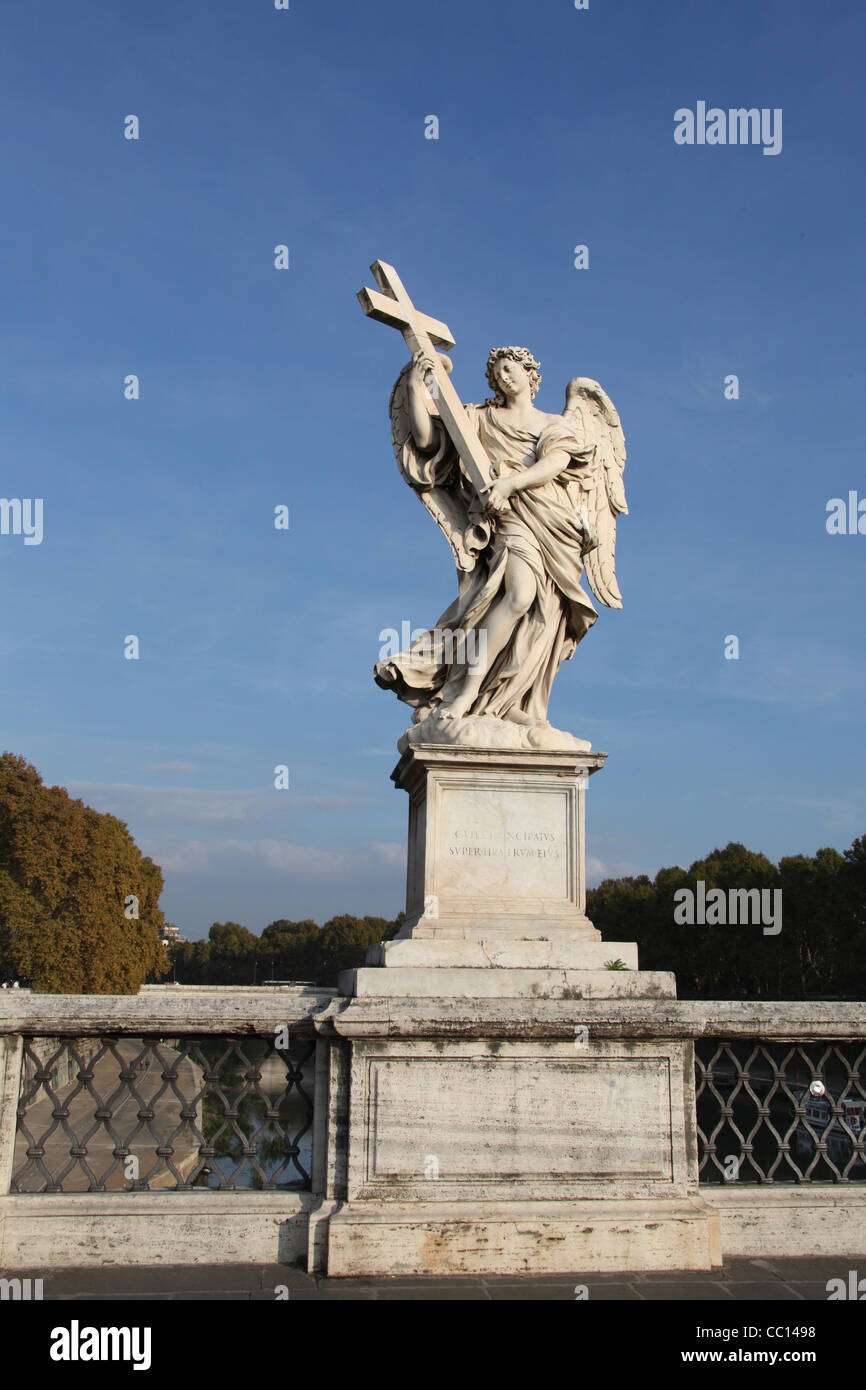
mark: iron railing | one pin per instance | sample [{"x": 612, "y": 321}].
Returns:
[
  {"x": 777, "y": 1112},
  {"x": 169, "y": 1113},
  {"x": 183, "y": 1113}
]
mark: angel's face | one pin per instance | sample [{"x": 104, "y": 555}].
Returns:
[{"x": 512, "y": 377}]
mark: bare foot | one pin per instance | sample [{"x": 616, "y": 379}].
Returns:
[
  {"x": 458, "y": 707},
  {"x": 517, "y": 716}
]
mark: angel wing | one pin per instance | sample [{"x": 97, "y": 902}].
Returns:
[
  {"x": 437, "y": 479},
  {"x": 592, "y": 416}
]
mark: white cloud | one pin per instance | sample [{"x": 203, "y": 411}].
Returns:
[
  {"x": 599, "y": 869},
  {"x": 278, "y": 856},
  {"x": 835, "y": 813},
  {"x": 200, "y": 806},
  {"x": 389, "y": 853},
  {"x": 170, "y": 769}
]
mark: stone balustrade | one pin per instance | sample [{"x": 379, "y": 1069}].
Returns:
[{"x": 313, "y": 1202}]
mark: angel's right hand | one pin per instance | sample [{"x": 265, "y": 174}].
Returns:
[{"x": 422, "y": 363}]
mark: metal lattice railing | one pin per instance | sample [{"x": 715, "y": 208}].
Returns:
[
  {"x": 133, "y": 1114},
  {"x": 775, "y": 1112}
]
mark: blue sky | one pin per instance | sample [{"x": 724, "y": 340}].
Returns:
[{"x": 261, "y": 387}]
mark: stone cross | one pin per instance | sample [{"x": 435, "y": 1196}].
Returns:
[{"x": 421, "y": 332}]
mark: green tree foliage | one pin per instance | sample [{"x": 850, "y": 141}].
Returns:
[
  {"x": 66, "y": 872},
  {"x": 232, "y": 954},
  {"x": 191, "y": 962},
  {"x": 285, "y": 951},
  {"x": 289, "y": 950},
  {"x": 344, "y": 942},
  {"x": 821, "y": 948}
]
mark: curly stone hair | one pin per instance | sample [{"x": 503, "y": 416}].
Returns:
[{"x": 518, "y": 354}]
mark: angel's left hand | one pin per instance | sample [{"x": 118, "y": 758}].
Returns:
[{"x": 496, "y": 498}]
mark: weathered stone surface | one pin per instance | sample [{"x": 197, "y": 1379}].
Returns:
[
  {"x": 486, "y": 731},
  {"x": 496, "y": 842},
  {"x": 200, "y": 1010},
  {"x": 557, "y": 952},
  {"x": 153, "y": 1228},
  {"x": 11, "y": 1050},
  {"x": 186, "y": 1009},
  {"x": 441, "y": 1232},
  {"x": 807, "y": 1219},
  {"x": 435, "y": 1121},
  {"x": 518, "y": 1237},
  {"x": 412, "y": 982},
  {"x": 792, "y": 1020}
]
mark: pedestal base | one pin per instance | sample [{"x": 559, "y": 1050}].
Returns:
[
  {"x": 555, "y": 952},
  {"x": 505, "y": 1137},
  {"x": 496, "y": 842},
  {"x": 489, "y": 1128},
  {"x": 458, "y": 983},
  {"x": 524, "y": 1237},
  {"x": 560, "y": 966},
  {"x": 495, "y": 889}
]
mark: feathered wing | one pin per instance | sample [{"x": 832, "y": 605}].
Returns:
[
  {"x": 437, "y": 479},
  {"x": 592, "y": 415}
]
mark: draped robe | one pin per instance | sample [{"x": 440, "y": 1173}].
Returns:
[{"x": 543, "y": 527}]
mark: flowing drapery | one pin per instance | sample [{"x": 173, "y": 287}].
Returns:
[{"x": 544, "y": 527}]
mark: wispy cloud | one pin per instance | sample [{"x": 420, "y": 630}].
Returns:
[
  {"x": 836, "y": 813},
  {"x": 598, "y": 869},
  {"x": 170, "y": 769},
  {"x": 204, "y": 807},
  {"x": 301, "y": 862}
]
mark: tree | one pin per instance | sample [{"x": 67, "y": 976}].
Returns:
[
  {"x": 79, "y": 904},
  {"x": 232, "y": 954},
  {"x": 344, "y": 942},
  {"x": 732, "y": 961},
  {"x": 821, "y": 948},
  {"x": 191, "y": 961},
  {"x": 852, "y": 895},
  {"x": 289, "y": 950}
]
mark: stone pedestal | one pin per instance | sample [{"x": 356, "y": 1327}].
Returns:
[
  {"x": 496, "y": 884},
  {"x": 490, "y": 1126},
  {"x": 496, "y": 843},
  {"x": 502, "y": 1137}
]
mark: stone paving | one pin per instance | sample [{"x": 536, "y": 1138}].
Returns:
[{"x": 742, "y": 1279}]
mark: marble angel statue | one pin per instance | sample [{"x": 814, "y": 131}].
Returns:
[{"x": 521, "y": 549}]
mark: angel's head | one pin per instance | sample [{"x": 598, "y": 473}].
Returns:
[{"x": 524, "y": 361}]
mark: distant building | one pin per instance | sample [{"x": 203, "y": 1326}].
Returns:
[{"x": 170, "y": 934}]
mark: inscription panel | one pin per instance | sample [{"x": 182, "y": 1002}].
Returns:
[
  {"x": 513, "y": 1117},
  {"x": 499, "y": 842}
]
